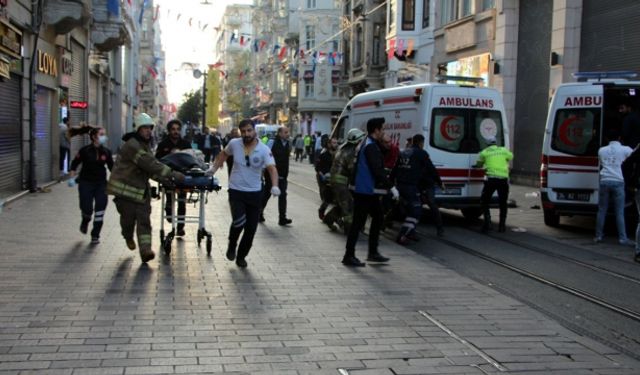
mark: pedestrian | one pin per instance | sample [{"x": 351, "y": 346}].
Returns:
[
  {"x": 611, "y": 186},
  {"x": 368, "y": 182},
  {"x": 630, "y": 124},
  {"x": 415, "y": 176},
  {"x": 307, "y": 145},
  {"x": 203, "y": 141},
  {"x": 234, "y": 133},
  {"x": 129, "y": 183},
  {"x": 250, "y": 157},
  {"x": 408, "y": 143},
  {"x": 92, "y": 181},
  {"x": 174, "y": 142},
  {"x": 633, "y": 163},
  {"x": 323, "y": 174},
  {"x": 298, "y": 143},
  {"x": 281, "y": 150},
  {"x": 341, "y": 170},
  {"x": 65, "y": 145},
  {"x": 495, "y": 161}
]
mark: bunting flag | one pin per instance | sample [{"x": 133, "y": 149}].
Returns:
[
  {"x": 302, "y": 54},
  {"x": 205, "y": 27},
  {"x": 152, "y": 71},
  {"x": 255, "y": 46},
  {"x": 400, "y": 47},
  {"x": 216, "y": 65},
  {"x": 113, "y": 7},
  {"x": 156, "y": 14},
  {"x": 282, "y": 53},
  {"x": 129, "y": 1},
  {"x": 332, "y": 60},
  {"x": 409, "y": 46},
  {"x": 223, "y": 74},
  {"x": 262, "y": 44},
  {"x": 392, "y": 49},
  {"x": 276, "y": 48},
  {"x": 144, "y": 5},
  {"x": 241, "y": 40},
  {"x": 190, "y": 19}
]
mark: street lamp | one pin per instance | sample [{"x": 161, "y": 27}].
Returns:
[{"x": 197, "y": 73}]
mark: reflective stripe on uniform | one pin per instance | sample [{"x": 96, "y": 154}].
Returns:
[
  {"x": 127, "y": 191},
  {"x": 144, "y": 239},
  {"x": 339, "y": 179},
  {"x": 99, "y": 216}
]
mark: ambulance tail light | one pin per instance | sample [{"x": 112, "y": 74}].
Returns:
[
  {"x": 417, "y": 95},
  {"x": 544, "y": 171}
]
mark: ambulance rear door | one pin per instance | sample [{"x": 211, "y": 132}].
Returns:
[
  {"x": 461, "y": 122},
  {"x": 574, "y": 139}
]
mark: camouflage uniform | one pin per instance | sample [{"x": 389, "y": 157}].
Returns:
[
  {"x": 341, "y": 169},
  {"x": 129, "y": 183}
]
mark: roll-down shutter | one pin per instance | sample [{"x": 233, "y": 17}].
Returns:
[
  {"x": 10, "y": 139},
  {"x": 43, "y": 135},
  {"x": 77, "y": 92}
]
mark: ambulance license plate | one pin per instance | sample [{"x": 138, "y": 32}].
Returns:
[
  {"x": 450, "y": 191},
  {"x": 573, "y": 196}
]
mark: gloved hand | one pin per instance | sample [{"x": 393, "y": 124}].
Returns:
[
  {"x": 395, "y": 193},
  {"x": 71, "y": 182},
  {"x": 177, "y": 176},
  {"x": 275, "y": 191}
]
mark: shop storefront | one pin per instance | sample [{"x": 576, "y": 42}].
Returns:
[
  {"x": 47, "y": 71},
  {"x": 10, "y": 110},
  {"x": 78, "y": 104}
]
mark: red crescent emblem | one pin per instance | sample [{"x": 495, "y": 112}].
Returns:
[
  {"x": 563, "y": 131},
  {"x": 443, "y": 128}
]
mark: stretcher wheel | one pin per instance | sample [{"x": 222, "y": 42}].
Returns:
[
  {"x": 209, "y": 242},
  {"x": 166, "y": 244},
  {"x": 200, "y": 235}
]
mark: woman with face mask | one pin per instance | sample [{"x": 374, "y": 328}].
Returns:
[{"x": 92, "y": 181}]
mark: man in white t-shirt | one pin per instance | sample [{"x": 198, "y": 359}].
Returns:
[
  {"x": 612, "y": 186},
  {"x": 250, "y": 158}
]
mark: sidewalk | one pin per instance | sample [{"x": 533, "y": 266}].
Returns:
[{"x": 68, "y": 308}]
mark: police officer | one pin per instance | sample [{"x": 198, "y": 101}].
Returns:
[
  {"x": 323, "y": 170},
  {"x": 495, "y": 160},
  {"x": 129, "y": 183},
  {"x": 341, "y": 170},
  {"x": 369, "y": 183},
  {"x": 280, "y": 149},
  {"x": 92, "y": 181},
  {"x": 171, "y": 143},
  {"x": 414, "y": 172}
]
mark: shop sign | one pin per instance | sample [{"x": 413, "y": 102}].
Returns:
[
  {"x": 10, "y": 39},
  {"x": 472, "y": 66},
  {"x": 78, "y": 104},
  {"x": 66, "y": 69},
  {"x": 5, "y": 68},
  {"x": 47, "y": 64}
]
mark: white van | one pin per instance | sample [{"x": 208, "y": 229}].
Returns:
[
  {"x": 580, "y": 116},
  {"x": 456, "y": 121}
]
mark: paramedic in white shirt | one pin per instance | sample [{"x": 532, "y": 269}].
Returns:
[
  {"x": 612, "y": 186},
  {"x": 250, "y": 158}
]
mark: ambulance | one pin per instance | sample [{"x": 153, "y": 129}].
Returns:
[
  {"x": 580, "y": 116},
  {"x": 456, "y": 120}
]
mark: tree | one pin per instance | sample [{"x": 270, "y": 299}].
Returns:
[
  {"x": 191, "y": 108},
  {"x": 238, "y": 84}
]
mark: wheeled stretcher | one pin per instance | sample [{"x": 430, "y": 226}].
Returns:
[{"x": 196, "y": 188}]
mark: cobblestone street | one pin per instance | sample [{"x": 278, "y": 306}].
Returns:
[{"x": 69, "y": 308}]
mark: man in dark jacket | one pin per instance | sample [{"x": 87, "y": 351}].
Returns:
[
  {"x": 369, "y": 183},
  {"x": 281, "y": 149},
  {"x": 414, "y": 174},
  {"x": 171, "y": 143},
  {"x": 323, "y": 174}
]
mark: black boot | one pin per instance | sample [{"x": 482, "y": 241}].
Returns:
[
  {"x": 502, "y": 226},
  {"x": 486, "y": 226}
]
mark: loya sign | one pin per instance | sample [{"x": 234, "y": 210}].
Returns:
[{"x": 47, "y": 64}]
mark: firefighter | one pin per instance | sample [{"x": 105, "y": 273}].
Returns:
[
  {"x": 323, "y": 169},
  {"x": 341, "y": 170},
  {"x": 414, "y": 171},
  {"x": 129, "y": 183}
]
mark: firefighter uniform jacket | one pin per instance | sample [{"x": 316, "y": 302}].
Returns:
[
  {"x": 343, "y": 164},
  {"x": 135, "y": 165}
]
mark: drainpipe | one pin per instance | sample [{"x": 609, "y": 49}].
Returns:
[{"x": 36, "y": 22}]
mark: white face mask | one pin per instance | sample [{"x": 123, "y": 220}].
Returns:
[{"x": 102, "y": 139}]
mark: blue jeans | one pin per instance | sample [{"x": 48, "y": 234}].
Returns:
[{"x": 615, "y": 190}]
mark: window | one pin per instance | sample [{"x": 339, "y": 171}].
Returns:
[
  {"x": 425, "y": 13},
  {"x": 310, "y": 36},
  {"x": 377, "y": 44},
  {"x": 465, "y": 131},
  {"x": 308, "y": 89},
  {"x": 358, "y": 56},
  {"x": 451, "y": 10},
  {"x": 335, "y": 91},
  {"x": 575, "y": 131},
  {"x": 488, "y": 4},
  {"x": 408, "y": 14},
  {"x": 311, "y": 4},
  {"x": 293, "y": 90},
  {"x": 280, "y": 83},
  {"x": 392, "y": 16}
]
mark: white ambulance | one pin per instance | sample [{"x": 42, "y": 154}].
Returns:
[
  {"x": 456, "y": 121},
  {"x": 580, "y": 116}
]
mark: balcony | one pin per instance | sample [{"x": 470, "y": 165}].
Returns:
[
  {"x": 233, "y": 20},
  {"x": 66, "y": 15},
  {"x": 108, "y": 31}
]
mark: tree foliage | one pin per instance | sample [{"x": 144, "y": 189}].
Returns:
[
  {"x": 191, "y": 108},
  {"x": 238, "y": 85}
]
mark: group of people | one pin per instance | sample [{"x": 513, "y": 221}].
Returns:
[
  {"x": 308, "y": 146},
  {"x": 363, "y": 177}
]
